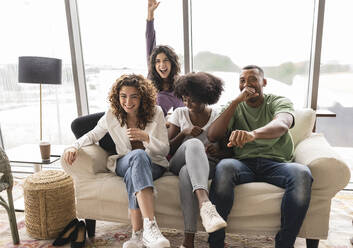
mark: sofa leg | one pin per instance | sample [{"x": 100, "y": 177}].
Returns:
[
  {"x": 91, "y": 227},
  {"x": 312, "y": 243}
]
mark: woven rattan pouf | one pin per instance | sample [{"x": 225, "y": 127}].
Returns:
[{"x": 49, "y": 203}]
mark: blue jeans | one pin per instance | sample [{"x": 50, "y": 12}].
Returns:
[
  {"x": 138, "y": 172},
  {"x": 295, "y": 178}
]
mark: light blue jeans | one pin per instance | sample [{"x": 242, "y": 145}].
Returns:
[{"x": 138, "y": 172}]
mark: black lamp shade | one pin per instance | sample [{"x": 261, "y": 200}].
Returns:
[{"x": 39, "y": 70}]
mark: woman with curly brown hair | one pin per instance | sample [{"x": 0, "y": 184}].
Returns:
[
  {"x": 137, "y": 127},
  {"x": 194, "y": 156},
  {"x": 164, "y": 68}
]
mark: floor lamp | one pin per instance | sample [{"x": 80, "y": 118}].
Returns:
[{"x": 39, "y": 70}]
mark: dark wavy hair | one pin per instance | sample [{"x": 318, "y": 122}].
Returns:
[
  {"x": 175, "y": 66},
  {"x": 201, "y": 87},
  {"x": 147, "y": 91}
]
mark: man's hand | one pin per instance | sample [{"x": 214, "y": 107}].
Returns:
[
  {"x": 70, "y": 155},
  {"x": 152, "y": 6},
  {"x": 246, "y": 94},
  {"x": 136, "y": 134},
  {"x": 240, "y": 137},
  {"x": 193, "y": 131}
]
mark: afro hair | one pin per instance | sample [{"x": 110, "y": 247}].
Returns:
[{"x": 201, "y": 87}]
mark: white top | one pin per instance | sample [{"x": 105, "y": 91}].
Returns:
[
  {"x": 181, "y": 119},
  {"x": 157, "y": 149}
]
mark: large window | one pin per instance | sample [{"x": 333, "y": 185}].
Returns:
[
  {"x": 113, "y": 40},
  {"x": 34, "y": 28},
  {"x": 336, "y": 74},
  {"x": 276, "y": 35}
]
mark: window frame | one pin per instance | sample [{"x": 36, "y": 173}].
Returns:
[{"x": 79, "y": 68}]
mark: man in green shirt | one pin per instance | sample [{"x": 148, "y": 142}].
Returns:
[{"x": 257, "y": 125}]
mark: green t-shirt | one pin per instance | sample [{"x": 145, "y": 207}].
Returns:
[{"x": 249, "y": 118}]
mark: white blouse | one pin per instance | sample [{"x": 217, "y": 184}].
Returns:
[{"x": 157, "y": 148}]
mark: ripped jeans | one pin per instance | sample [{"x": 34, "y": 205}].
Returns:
[{"x": 138, "y": 172}]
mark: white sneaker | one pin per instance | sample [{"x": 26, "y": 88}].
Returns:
[
  {"x": 135, "y": 240},
  {"x": 152, "y": 236},
  {"x": 211, "y": 220}
]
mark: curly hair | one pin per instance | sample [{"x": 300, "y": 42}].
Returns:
[
  {"x": 147, "y": 92},
  {"x": 175, "y": 66},
  {"x": 201, "y": 87}
]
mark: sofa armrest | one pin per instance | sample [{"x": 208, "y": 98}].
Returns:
[
  {"x": 330, "y": 172},
  {"x": 90, "y": 160}
]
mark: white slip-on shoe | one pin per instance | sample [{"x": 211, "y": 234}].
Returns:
[
  {"x": 211, "y": 220},
  {"x": 152, "y": 236},
  {"x": 135, "y": 241}
]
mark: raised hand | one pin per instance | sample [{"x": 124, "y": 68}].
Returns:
[
  {"x": 70, "y": 155},
  {"x": 240, "y": 137},
  {"x": 136, "y": 134},
  {"x": 193, "y": 131},
  {"x": 152, "y": 6}
]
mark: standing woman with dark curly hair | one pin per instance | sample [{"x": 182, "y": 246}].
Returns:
[
  {"x": 163, "y": 65},
  {"x": 194, "y": 157},
  {"x": 137, "y": 127}
]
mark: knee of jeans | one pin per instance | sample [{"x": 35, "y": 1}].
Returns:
[
  {"x": 303, "y": 183},
  {"x": 304, "y": 177},
  {"x": 224, "y": 176},
  {"x": 195, "y": 144},
  {"x": 225, "y": 169},
  {"x": 140, "y": 158},
  {"x": 138, "y": 153}
]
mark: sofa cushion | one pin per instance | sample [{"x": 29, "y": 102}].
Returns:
[{"x": 304, "y": 124}]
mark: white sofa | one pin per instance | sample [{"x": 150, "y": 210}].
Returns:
[{"x": 101, "y": 195}]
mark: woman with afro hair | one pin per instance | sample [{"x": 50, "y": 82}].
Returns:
[
  {"x": 194, "y": 157},
  {"x": 137, "y": 127}
]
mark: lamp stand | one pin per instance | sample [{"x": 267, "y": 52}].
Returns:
[{"x": 40, "y": 110}]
